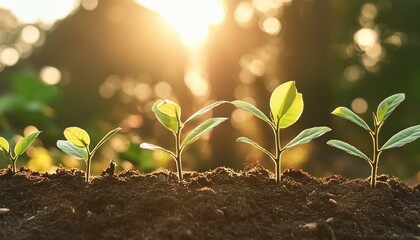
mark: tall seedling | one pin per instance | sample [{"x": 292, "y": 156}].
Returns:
[
  {"x": 286, "y": 106},
  {"x": 77, "y": 145},
  {"x": 20, "y": 147},
  {"x": 385, "y": 108},
  {"x": 169, "y": 114}
]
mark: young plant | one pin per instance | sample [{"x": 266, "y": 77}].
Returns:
[
  {"x": 286, "y": 106},
  {"x": 77, "y": 145},
  {"x": 169, "y": 114},
  {"x": 385, "y": 108},
  {"x": 21, "y": 146}
]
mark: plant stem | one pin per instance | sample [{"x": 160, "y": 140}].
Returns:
[
  {"x": 178, "y": 155},
  {"x": 88, "y": 166},
  {"x": 277, "y": 160},
  {"x": 14, "y": 165},
  {"x": 376, "y": 154}
]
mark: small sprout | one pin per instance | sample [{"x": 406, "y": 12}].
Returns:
[
  {"x": 169, "y": 114},
  {"x": 286, "y": 106},
  {"x": 21, "y": 146},
  {"x": 77, "y": 145},
  {"x": 385, "y": 108}
]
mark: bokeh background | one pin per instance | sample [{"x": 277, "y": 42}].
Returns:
[{"x": 99, "y": 64}]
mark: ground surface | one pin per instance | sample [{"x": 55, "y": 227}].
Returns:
[{"x": 220, "y": 204}]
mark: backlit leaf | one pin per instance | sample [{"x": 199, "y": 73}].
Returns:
[
  {"x": 153, "y": 147},
  {"x": 77, "y": 136},
  {"x": 403, "y": 137},
  {"x": 351, "y": 116},
  {"x": 201, "y": 129},
  {"x": 204, "y": 110},
  {"x": 307, "y": 135},
  {"x": 105, "y": 138},
  {"x": 388, "y": 105},
  {"x": 25, "y": 142},
  {"x": 72, "y": 150},
  {"x": 282, "y": 99},
  {"x": 251, "y": 109},
  {"x": 168, "y": 113},
  {"x": 4, "y": 145},
  {"x": 254, "y": 144},
  {"x": 293, "y": 113},
  {"x": 348, "y": 148}
]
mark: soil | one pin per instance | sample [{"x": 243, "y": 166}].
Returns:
[{"x": 219, "y": 204}]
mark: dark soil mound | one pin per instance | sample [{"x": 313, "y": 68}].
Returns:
[{"x": 220, "y": 204}]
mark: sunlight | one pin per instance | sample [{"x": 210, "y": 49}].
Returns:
[
  {"x": 191, "y": 19},
  {"x": 46, "y": 11}
]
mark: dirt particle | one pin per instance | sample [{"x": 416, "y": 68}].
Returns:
[
  {"x": 310, "y": 226},
  {"x": 4, "y": 211},
  {"x": 330, "y": 220},
  {"x": 332, "y": 201}
]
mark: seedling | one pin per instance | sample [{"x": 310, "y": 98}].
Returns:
[
  {"x": 169, "y": 114},
  {"x": 21, "y": 146},
  {"x": 77, "y": 145},
  {"x": 385, "y": 108},
  {"x": 286, "y": 106}
]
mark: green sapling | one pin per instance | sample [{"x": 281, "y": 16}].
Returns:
[
  {"x": 169, "y": 115},
  {"x": 286, "y": 106},
  {"x": 21, "y": 146},
  {"x": 77, "y": 145},
  {"x": 385, "y": 108}
]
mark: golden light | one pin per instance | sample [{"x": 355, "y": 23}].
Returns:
[
  {"x": 50, "y": 75},
  {"x": 9, "y": 56},
  {"x": 30, "y": 34},
  {"x": 366, "y": 38},
  {"x": 359, "y": 105},
  {"x": 47, "y": 12},
  {"x": 191, "y": 19}
]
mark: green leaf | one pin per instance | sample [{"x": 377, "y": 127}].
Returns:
[
  {"x": 251, "y": 109},
  {"x": 105, "y": 138},
  {"x": 403, "y": 137},
  {"x": 348, "y": 148},
  {"x": 204, "y": 110},
  {"x": 153, "y": 147},
  {"x": 254, "y": 144},
  {"x": 77, "y": 136},
  {"x": 351, "y": 116},
  {"x": 307, "y": 135},
  {"x": 72, "y": 150},
  {"x": 201, "y": 129},
  {"x": 4, "y": 145},
  {"x": 388, "y": 105},
  {"x": 282, "y": 99},
  {"x": 293, "y": 113},
  {"x": 25, "y": 142},
  {"x": 168, "y": 113}
]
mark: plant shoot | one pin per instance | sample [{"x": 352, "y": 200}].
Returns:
[
  {"x": 21, "y": 146},
  {"x": 77, "y": 145},
  {"x": 286, "y": 106},
  {"x": 385, "y": 108},
  {"x": 168, "y": 114}
]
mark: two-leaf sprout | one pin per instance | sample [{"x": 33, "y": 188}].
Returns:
[
  {"x": 77, "y": 145},
  {"x": 385, "y": 108},
  {"x": 286, "y": 106},
  {"x": 169, "y": 114},
  {"x": 21, "y": 146}
]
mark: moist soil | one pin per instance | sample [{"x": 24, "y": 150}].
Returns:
[{"x": 218, "y": 204}]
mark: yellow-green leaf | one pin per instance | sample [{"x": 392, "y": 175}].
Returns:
[
  {"x": 25, "y": 142},
  {"x": 293, "y": 113},
  {"x": 403, "y": 137},
  {"x": 4, "y": 145},
  {"x": 351, "y": 116},
  {"x": 388, "y": 105},
  {"x": 168, "y": 113},
  {"x": 77, "y": 136},
  {"x": 251, "y": 109},
  {"x": 256, "y": 145},
  {"x": 201, "y": 129},
  {"x": 72, "y": 150},
  {"x": 282, "y": 99}
]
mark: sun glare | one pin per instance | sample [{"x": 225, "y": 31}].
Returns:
[{"x": 190, "y": 18}]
